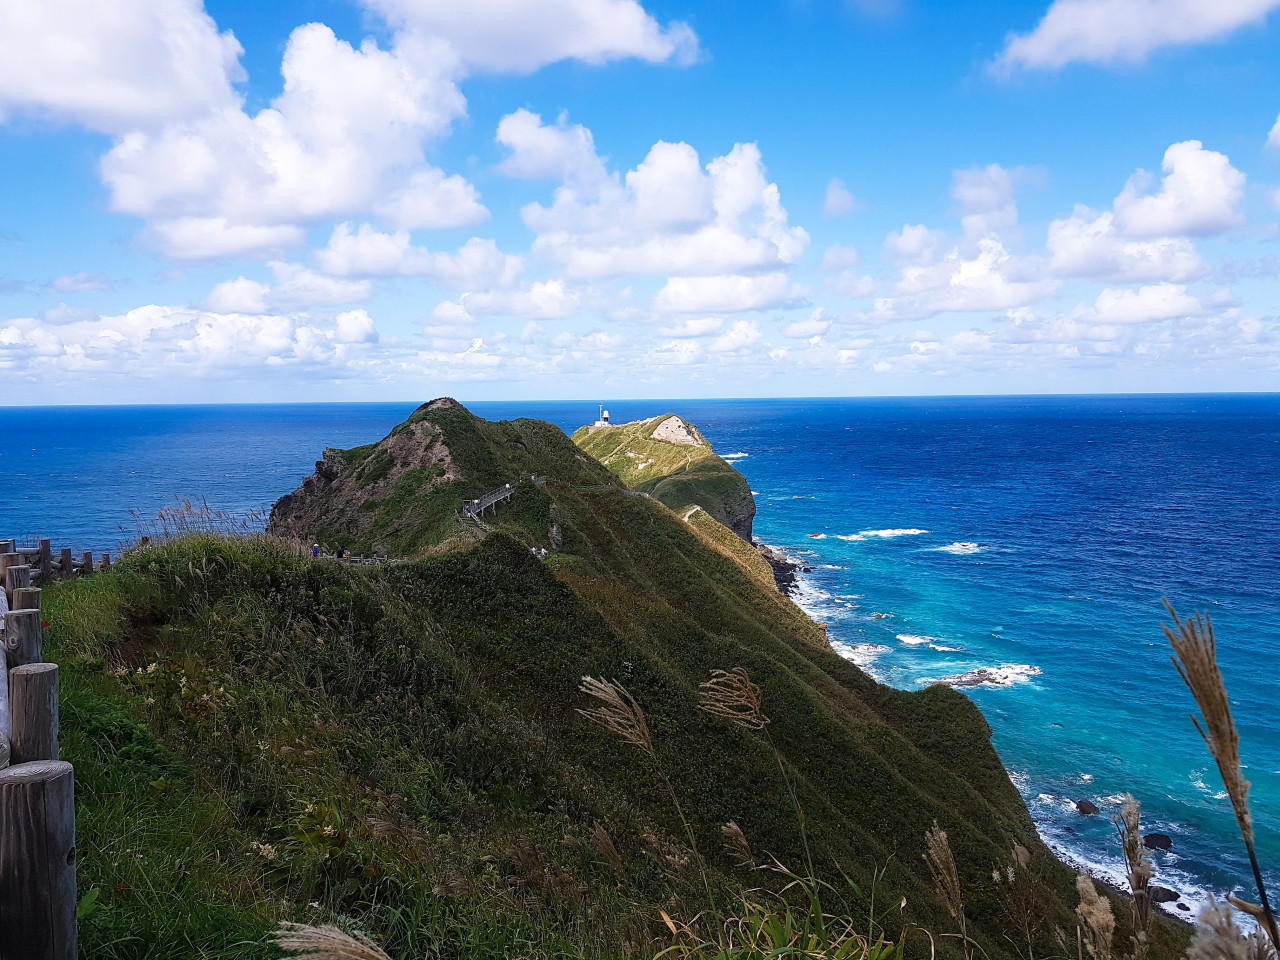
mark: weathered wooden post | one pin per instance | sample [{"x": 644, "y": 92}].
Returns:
[
  {"x": 38, "y": 862},
  {"x": 23, "y": 640},
  {"x": 4, "y": 716},
  {"x": 106, "y": 563},
  {"x": 16, "y": 578},
  {"x": 26, "y": 598},
  {"x": 65, "y": 563},
  {"x": 8, "y": 546},
  {"x": 86, "y": 564},
  {"x": 33, "y": 713},
  {"x": 46, "y": 562},
  {"x": 10, "y": 559}
]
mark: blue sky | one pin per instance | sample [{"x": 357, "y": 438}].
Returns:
[{"x": 396, "y": 199}]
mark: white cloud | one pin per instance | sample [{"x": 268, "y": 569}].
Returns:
[
  {"x": 1199, "y": 195},
  {"x": 839, "y": 202},
  {"x": 544, "y": 300},
  {"x": 725, "y": 293},
  {"x": 1123, "y": 31},
  {"x": 520, "y": 36},
  {"x": 80, "y": 283},
  {"x": 541, "y": 151},
  {"x": 296, "y": 287},
  {"x": 667, "y": 216},
  {"x": 988, "y": 279},
  {"x": 368, "y": 252},
  {"x": 183, "y": 341},
  {"x": 985, "y": 195},
  {"x": 1159, "y": 302},
  {"x": 344, "y": 137},
  {"x": 840, "y": 257},
  {"x": 1273, "y": 138},
  {"x": 913, "y": 244},
  {"x": 691, "y": 327},
  {"x": 115, "y": 67},
  {"x": 1088, "y": 245},
  {"x": 741, "y": 335},
  {"x": 815, "y": 325}
]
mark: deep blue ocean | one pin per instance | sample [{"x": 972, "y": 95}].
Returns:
[{"x": 1031, "y": 538}]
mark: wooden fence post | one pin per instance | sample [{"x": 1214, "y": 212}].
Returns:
[
  {"x": 64, "y": 561},
  {"x": 23, "y": 640},
  {"x": 8, "y": 546},
  {"x": 9, "y": 559},
  {"x": 26, "y": 598},
  {"x": 4, "y": 716},
  {"x": 106, "y": 563},
  {"x": 86, "y": 564},
  {"x": 33, "y": 713},
  {"x": 37, "y": 862},
  {"x": 46, "y": 561},
  {"x": 15, "y": 578}
]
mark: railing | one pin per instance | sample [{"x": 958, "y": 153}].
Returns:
[{"x": 37, "y": 790}]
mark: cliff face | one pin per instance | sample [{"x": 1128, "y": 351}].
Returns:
[{"x": 669, "y": 459}]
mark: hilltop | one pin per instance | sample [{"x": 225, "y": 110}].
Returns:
[
  {"x": 668, "y": 458},
  {"x": 258, "y": 735}
]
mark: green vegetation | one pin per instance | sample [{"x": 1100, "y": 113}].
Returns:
[
  {"x": 400, "y": 749},
  {"x": 678, "y": 474}
]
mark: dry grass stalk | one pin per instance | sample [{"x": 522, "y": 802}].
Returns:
[
  {"x": 1218, "y": 937},
  {"x": 737, "y": 847},
  {"x": 1096, "y": 919},
  {"x": 942, "y": 866},
  {"x": 1139, "y": 872},
  {"x": 619, "y": 712},
  {"x": 604, "y": 843},
  {"x": 325, "y": 943},
  {"x": 1196, "y": 658},
  {"x": 730, "y": 695}
]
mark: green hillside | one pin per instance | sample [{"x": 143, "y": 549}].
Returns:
[
  {"x": 260, "y": 736},
  {"x": 668, "y": 458}
]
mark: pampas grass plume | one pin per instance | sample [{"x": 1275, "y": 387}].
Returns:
[{"x": 325, "y": 943}]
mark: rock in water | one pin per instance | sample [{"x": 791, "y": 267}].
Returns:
[
  {"x": 1160, "y": 894},
  {"x": 1157, "y": 841},
  {"x": 1088, "y": 808}
]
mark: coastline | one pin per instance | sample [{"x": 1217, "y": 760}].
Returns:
[{"x": 789, "y": 575}]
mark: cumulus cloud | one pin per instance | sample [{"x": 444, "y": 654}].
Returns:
[
  {"x": 741, "y": 335},
  {"x": 1110, "y": 32},
  {"x": 345, "y": 136},
  {"x": 520, "y": 36},
  {"x": 1273, "y": 138},
  {"x": 1088, "y": 244},
  {"x": 546, "y": 151},
  {"x": 988, "y": 278},
  {"x": 839, "y": 202},
  {"x": 691, "y": 327},
  {"x": 1199, "y": 195},
  {"x": 544, "y": 300},
  {"x": 296, "y": 287},
  {"x": 669, "y": 215},
  {"x": 196, "y": 342},
  {"x": 727, "y": 293},
  {"x": 369, "y": 252},
  {"x": 1158, "y": 302},
  {"x": 115, "y": 67}
]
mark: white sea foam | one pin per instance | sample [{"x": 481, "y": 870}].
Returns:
[
  {"x": 817, "y": 536},
  {"x": 894, "y": 532},
  {"x": 862, "y": 654},
  {"x": 850, "y": 536},
  {"x": 734, "y": 456},
  {"x": 961, "y": 548},
  {"x": 1004, "y": 675},
  {"x": 831, "y": 566},
  {"x": 912, "y": 640}
]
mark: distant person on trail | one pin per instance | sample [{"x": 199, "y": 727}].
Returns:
[{"x": 315, "y": 551}]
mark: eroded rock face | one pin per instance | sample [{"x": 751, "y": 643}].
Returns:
[
  {"x": 331, "y": 498},
  {"x": 674, "y": 430}
]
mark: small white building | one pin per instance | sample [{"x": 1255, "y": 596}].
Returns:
[{"x": 604, "y": 417}]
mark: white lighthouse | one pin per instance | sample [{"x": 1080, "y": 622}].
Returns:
[{"x": 604, "y": 417}]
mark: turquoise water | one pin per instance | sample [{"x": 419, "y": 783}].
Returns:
[{"x": 1030, "y": 538}]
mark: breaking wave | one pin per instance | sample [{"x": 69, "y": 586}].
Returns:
[
  {"x": 894, "y": 532},
  {"x": 1005, "y": 675}
]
